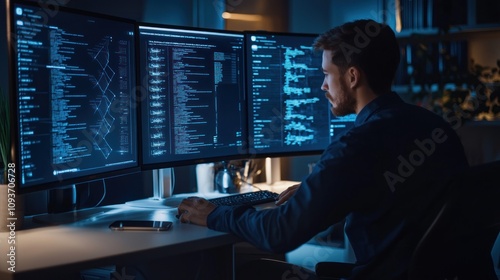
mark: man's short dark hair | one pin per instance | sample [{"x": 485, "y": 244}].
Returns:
[{"x": 366, "y": 44}]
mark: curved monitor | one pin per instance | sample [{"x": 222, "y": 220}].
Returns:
[
  {"x": 73, "y": 96},
  {"x": 288, "y": 113},
  {"x": 192, "y": 96}
]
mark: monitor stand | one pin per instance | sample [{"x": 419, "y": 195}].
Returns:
[
  {"x": 61, "y": 207},
  {"x": 273, "y": 170},
  {"x": 163, "y": 186}
]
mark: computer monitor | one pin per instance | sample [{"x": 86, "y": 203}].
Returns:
[
  {"x": 73, "y": 96},
  {"x": 287, "y": 111},
  {"x": 192, "y": 95}
]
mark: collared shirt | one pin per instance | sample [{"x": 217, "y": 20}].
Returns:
[{"x": 383, "y": 176}]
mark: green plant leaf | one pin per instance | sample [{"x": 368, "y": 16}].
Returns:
[{"x": 4, "y": 128}]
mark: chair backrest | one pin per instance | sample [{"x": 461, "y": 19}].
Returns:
[{"x": 458, "y": 243}]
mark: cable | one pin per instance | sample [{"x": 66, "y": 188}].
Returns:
[
  {"x": 172, "y": 179},
  {"x": 103, "y": 193}
]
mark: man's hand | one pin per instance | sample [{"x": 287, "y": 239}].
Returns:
[
  {"x": 195, "y": 210},
  {"x": 286, "y": 194}
]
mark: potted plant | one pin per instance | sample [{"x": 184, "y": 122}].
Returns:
[
  {"x": 489, "y": 77},
  {"x": 10, "y": 202},
  {"x": 487, "y": 74},
  {"x": 4, "y": 135}
]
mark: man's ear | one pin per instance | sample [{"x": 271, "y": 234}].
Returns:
[{"x": 353, "y": 77}]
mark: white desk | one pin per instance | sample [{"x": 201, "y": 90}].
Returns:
[
  {"x": 60, "y": 252},
  {"x": 277, "y": 187}
]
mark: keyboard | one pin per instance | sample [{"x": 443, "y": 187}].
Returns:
[{"x": 250, "y": 198}]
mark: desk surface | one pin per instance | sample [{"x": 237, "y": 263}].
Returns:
[
  {"x": 52, "y": 250},
  {"x": 47, "y": 252}
]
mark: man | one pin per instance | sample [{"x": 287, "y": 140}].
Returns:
[{"x": 384, "y": 176}]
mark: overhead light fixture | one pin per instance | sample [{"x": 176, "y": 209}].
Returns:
[{"x": 242, "y": 17}]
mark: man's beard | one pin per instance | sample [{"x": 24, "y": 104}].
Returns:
[{"x": 346, "y": 103}]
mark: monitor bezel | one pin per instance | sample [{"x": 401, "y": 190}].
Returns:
[
  {"x": 13, "y": 94},
  {"x": 201, "y": 159}
]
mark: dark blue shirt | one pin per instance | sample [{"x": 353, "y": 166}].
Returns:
[{"x": 383, "y": 175}]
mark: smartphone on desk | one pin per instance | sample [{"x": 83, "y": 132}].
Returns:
[{"x": 140, "y": 225}]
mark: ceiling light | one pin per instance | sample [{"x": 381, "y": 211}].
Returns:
[{"x": 242, "y": 17}]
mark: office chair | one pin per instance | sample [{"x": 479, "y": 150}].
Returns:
[{"x": 457, "y": 245}]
